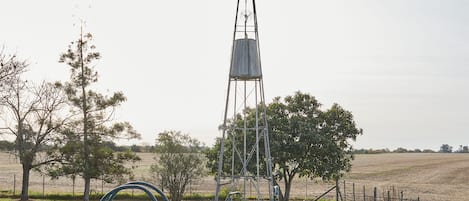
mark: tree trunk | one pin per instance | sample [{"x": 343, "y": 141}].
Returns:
[
  {"x": 86, "y": 151},
  {"x": 287, "y": 191},
  {"x": 86, "y": 196},
  {"x": 288, "y": 182},
  {"x": 25, "y": 185}
]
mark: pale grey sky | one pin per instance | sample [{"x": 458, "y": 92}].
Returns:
[{"x": 401, "y": 66}]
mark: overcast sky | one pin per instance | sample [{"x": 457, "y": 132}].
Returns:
[{"x": 400, "y": 66}]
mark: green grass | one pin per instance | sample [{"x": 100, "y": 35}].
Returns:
[
  {"x": 8, "y": 196},
  {"x": 123, "y": 196}
]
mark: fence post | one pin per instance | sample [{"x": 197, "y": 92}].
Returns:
[
  {"x": 43, "y": 185},
  {"x": 364, "y": 193},
  {"x": 337, "y": 189},
  {"x": 306, "y": 188},
  {"x": 250, "y": 188},
  {"x": 73, "y": 186},
  {"x": 389, "y": 196},
  {"x": 393, "y": 193},
  {"x": 345, "y": 193},
  {"x": 418, "y": 198},
  {"x": 14, "y": 184},
  {"x": 353, "y": 187},
  {"x": 374, "y": 194},
  {"x": 402, "y": 195}
]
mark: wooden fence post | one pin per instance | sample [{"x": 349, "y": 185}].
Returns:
[
  {"x": 43, "y": 185},
  {"x": 250, "y": 188},
  {"x": 345, "y": 192},
  {"x": 389, "y": 196},
  {"x": 353, "y": 187},
  {"x": 73, "y": 186},
  {"x": 402, "y": 195},
  {"x": 306, "y": 188},
  {"x": 336, "y": 189},
  {"x": 393, "y": 192},
  {"x": 374, "y": 194},
  {"x": 364, "y": 193},
  {"x": 14, "y": 184}
]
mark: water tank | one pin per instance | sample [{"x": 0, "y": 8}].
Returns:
[{"x": 245, "y": 64}]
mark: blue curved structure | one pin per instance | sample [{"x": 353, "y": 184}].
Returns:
[{"x": 135, "y": 185}]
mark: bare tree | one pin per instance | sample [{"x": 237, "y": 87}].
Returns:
[
  {"x": 10, "y": 67},
  {"x": 33, "y": 117}
]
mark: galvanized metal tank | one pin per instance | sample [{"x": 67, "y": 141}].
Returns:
[{"x": 245, "y": 63}]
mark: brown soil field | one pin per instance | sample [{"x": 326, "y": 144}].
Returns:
[{"x": 429, "y": 176}]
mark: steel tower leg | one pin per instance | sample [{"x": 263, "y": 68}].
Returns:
[{"x": 245, "y": 137}]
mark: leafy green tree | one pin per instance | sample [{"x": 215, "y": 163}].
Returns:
[
  {"x": 179, "y": 162},
  {"x": 400, "y": 150},
  {"x": 83, "y": 149},
  {"x": 445, "y": 148},
  {"x": 111, "y": 145},
  {"x": 305, "y": 141},
  {"x": 6, "y": 145},
  {"x": 417, "y": 151},
  {"x": 135, "y": 148},
  {"x": 35, "y": 114},
  {"x": 462, "y": 149},
  {"x": 428, "y": 151},
  {"x": 465, "y": 149}
]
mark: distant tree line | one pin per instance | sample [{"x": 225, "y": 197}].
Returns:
[
  {"x": 398, "y": 150},
  {"x": 133, "y": 148},
  {"x": 444, "y": 148},
  {"x": 6, "y": 145}
]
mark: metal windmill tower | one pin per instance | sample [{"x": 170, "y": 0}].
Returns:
[{"x": 245, "y": 138}]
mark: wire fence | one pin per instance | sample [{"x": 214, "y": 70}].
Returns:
[
  {"x": 349, "y": 191},
  {"x": 340, "y": 191},
  {"x": 45, "y": 185}
]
